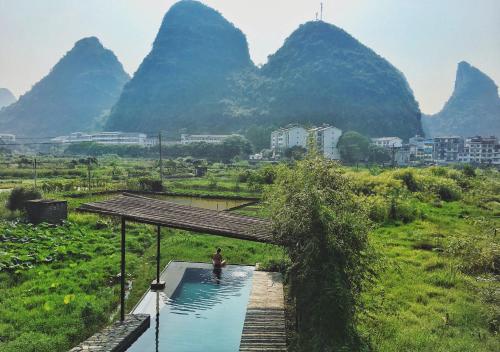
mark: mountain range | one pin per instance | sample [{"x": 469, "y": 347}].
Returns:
[
  {"x": 199, "y": 77},
  {"x": 6, "y": 97},
  {"x": 473, "y": 108},
  {"x": 76, "y": 95}
]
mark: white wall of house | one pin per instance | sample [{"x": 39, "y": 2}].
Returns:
[
  {"x": 388, "y": 142},
  {"x": 327, "y": 139}
]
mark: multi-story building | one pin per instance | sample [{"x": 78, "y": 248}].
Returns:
[
  {"x": 6, "y": 138},
  {"x": 480, "y": 150},
  {"x": 129, "y": 138},
  {"x": 205, "y": 138},
  {"x": 447, "y": 149},
  {"x": 288, "y": 137},
  {"x": 388, "y": 142},
  {"x": 421, "y": 149},
  {"x": 326, "y": 139}
]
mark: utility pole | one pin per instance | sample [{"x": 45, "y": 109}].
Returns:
[
  {"x": 161, "y": 158},
  {"x": 321, "y": 13},
  {"x": 34, "y": 171},
  {"x": 88, "y": 172}
]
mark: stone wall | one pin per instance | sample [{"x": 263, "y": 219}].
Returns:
[{"x": 116, "y": 337}]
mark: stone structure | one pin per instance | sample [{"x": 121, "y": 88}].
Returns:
[
  {"x": 116, "y": 337},
  {"x": 46, "y": 210}
]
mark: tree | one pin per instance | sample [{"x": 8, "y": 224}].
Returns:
[
  {"x": 378, "y": 154},
  {"x": 296, "y": 152},
  {"x": 323, "y": 229},
  {"x": 353, "y": 147},
  {"x": 19, "y": 196}
]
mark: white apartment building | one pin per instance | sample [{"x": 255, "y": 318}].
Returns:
[
  {"x": 205, "y": 138},
  {"x": 6, "y": 138},
  {"x": 480, "y": 150},
  {"x": 128, "y": 138},
  {"x": 326, "y": 139},
  {"x": 388, "y": 142},
  {"x": 288, "y": 137}
]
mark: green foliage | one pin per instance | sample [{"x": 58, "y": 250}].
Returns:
[
  {"x": 469, "y": 171},
  {"x": 18, "y": 197},
  {"x": 353, "y": 147},
  {"x": 151, "y": 185},
  {"x": 295, "y": 153},
  {"x": 378, "y": 154},
  {"x": 323, "y": 229},
  {"x": 230, "y": 148}
]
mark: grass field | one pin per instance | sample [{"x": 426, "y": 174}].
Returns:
[{"x": 437, "y": 287}]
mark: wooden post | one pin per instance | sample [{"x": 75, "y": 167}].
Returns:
[
  {"x": 157, "y": 285},
  {"x": 158, "y": 254},
  {"x": 161, "y": 158},
  {"x": 122, "y": 276}
]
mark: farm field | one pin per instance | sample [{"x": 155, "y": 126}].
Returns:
[{"x": 436, "y": 286}]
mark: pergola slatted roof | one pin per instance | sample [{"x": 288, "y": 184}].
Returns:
[
  {"x": 163, "y": 213},
  {"x": 130, "y": 207}
]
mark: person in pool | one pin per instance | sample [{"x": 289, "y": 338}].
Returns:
[{"x": 217, "y": 260}]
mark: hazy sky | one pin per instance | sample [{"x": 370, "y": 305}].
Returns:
[{"x": 425, "y": 39}]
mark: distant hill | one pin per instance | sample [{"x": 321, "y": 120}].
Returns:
[
  {"x": 78, "y": 92},
  {"x": 6, "y": 97},
  {"x": 473, "y": 109},
  {"x": 184, "y": 80},
  {"x": 198, "y": 77},
  {"x": 322, "y": 74}
]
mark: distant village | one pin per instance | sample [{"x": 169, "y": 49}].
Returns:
[
  {"x": 325, "y": 139},
  {"x": 418, "y": 150}
]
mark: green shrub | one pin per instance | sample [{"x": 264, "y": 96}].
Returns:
[
  {"x": 151, "y": 185},
  {"x": 410, "y": 182},
  {"x": 401, "y": 210},
  {"x": 18, "y": 197},
  {"x": 469, "y": 171},
  {"x": 447, "y": 191},
  {"x": 377, "y": 209}
]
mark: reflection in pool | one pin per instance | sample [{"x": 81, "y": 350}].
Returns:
[{"x": 205, "y": 313}]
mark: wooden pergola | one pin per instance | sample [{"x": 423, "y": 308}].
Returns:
[{"x": 134, "y": 208}]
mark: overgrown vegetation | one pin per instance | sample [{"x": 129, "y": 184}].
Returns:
[
  {"x": 324, "y": 231},
  {"x": 433, "y": 229}
]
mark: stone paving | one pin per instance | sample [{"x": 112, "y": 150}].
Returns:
[
  {"x": 116, "y": 337},
  {"x": 264, "y": 328}
]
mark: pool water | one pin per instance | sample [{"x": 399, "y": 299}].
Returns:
[{"x": 205, "y": 313}]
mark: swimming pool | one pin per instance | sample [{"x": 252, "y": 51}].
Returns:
[{"x": 204, "y": 312}]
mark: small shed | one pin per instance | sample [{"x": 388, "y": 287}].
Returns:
[
  {"x": 200, "y": 171},
  {"x": 46, "y": 210}
]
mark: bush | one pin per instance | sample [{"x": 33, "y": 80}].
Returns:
[
  {"x": 150, "y": 185},
  {"x": 378, "y": 209},
  {"x": 18, "y": 197},
  {"x": 400, "y": 210},
  {"x": 447, "y": 191},
  {"x": 409, "y": 180},
  {"x": 469, "y": 171},
  {"x": 323, "y": 228}
]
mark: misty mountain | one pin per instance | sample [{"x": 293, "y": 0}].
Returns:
[
  {"x": 184, "y": 81},
  {"x": 6, "y": 97},
  {"x": 473, "y": 108},
  {"x": 198, "y": 77},
  {"x": 77, "y": 93},
  {"x": 323, "y": 74}
]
